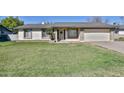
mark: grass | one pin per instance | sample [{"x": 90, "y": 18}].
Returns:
[
  {"x": 6, "y": 43},
  {"x": 120, "y": 39},
  {"x": 44, "y": 59}
]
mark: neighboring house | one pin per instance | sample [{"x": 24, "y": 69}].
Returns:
[
  {"x": 4, "y": 32},
  {"x": 119, "y": 31},
  {"x": 68, "y": 31}
]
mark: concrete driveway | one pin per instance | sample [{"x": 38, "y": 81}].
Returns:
[{"x": 116, "y": 45}]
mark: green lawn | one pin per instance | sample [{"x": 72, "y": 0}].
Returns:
[{"x": 44, "y": 59}]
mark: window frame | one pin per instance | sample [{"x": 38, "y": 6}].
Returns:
[
  {"x": 27, "y": 31},
  {"x": 72, "y": 29}
]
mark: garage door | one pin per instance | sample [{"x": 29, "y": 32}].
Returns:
[{"x": 96, "y": 36}]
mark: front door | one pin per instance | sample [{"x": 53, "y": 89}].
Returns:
[{"x": 61, "y": 35}]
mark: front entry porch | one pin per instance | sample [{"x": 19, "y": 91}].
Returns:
[
  {"x": 67, "y": 35},
  {"x": 61, "y": 35}
]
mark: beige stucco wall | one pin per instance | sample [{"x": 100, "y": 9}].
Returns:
[
  {"x": 112, "y": 35},
  {"x": 36, "y": 35},
  {"x": 81, "y": 34},
  {"x": 20, "y": 35},
  {"x": 86, "y": 33}
]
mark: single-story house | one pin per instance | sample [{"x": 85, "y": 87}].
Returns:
[
  {"x": 68, "y": 31},
  {"x": 119, "y": 31},
  {"x": 4, "y": 32}
]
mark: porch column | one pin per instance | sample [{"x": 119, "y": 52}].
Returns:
[
  {"x": 21, "y": 34},
  {"x": 56, "y": 40},
  {"x": 81, "y": 35},
  {"x": 112, "y": 35},
  {"x": 41, "y": 34},
  {"x": 66, "y": 34}
]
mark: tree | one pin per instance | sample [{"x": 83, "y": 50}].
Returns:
[{"x": 11, "y": 22}]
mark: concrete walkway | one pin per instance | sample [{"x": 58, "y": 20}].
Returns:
[{"x": 116, "y": 45}]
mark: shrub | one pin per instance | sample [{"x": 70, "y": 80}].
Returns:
[{"x": 120, "y": 39}]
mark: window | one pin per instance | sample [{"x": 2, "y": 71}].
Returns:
[
  {"x": 72, "y": 33},
  {"x": 44, "y": 33},
  {"x": 27, "y": 33}
]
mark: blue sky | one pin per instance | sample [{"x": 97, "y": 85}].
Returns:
[{"x": 40, "y": 19}]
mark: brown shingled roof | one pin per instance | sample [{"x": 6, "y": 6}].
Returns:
[
  {"x": 31, "y": 26},
  {"x": 82, "y": 24},
  {"x": 67, "y": 24}
]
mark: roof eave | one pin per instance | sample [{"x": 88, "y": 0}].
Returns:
[{"x": 79, "y": 27}]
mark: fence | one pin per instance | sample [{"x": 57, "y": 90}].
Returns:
[{"x": 13, "y": 37}]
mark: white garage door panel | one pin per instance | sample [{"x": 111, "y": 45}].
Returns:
[{"x": 96, "y": 36}]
